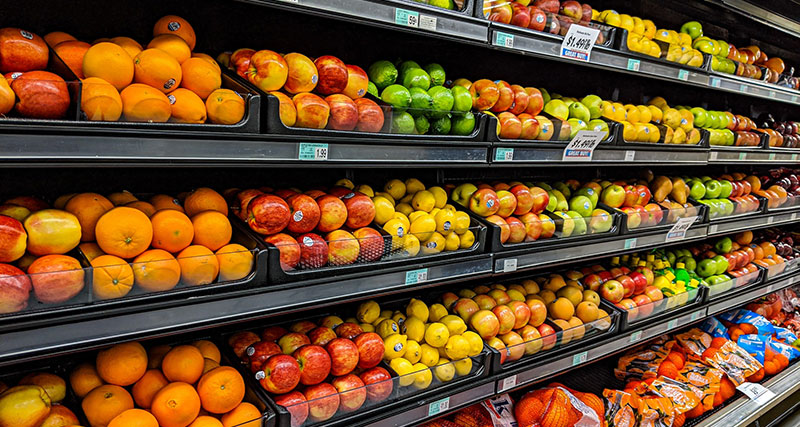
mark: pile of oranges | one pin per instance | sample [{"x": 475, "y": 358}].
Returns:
[
  {"x": 162, "y": 81},
  {"x": 166, "y": 386}
]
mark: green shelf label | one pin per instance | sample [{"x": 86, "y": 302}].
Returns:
[
  {"x": 715, "y": 82},
  {"x": 406, "y": 17},
  {"x": 503, "y": 39},
  {"x": 439, "y": 406},
  {"x": 579, "y": 358},
  {"x": 683, "y": 75},
  {"x": 313, "y": 151},
  {"x": 504, "y": 155},
  {"x": 633, "y": 64},
  {"x": 414, "y": 277}
]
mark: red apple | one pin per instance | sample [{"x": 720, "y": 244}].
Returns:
[
  {"x": 323, "y": 401},
  {"x": 370, "y": 115},
  {"x": 333, "y": 75},
  {"x": 508, "y": 203},
  {"x": 303, "y": 75},
  {"x": 551, "y": 6},
  {"x": 340, "y": 191},
  {"x": 273, "y": 333},
  {"x": 631, "y": 307},
  {"x": 530, "y": 126},
  {"x": 352, "y": 393},
  {"x": 644, "y": 303},
  {"x": 56, "y": 278},
  {"x": 344, "y": 112},
  {"x": 268, "y": 70},
  {"x": 533, "y": 226},
  {"x": 312, "y": 111},
  {"x": 540, "y": 199},
  {"x": 572, "y": 9},
  {"x": 288, "y": 248},
  {"x": 285, "y": 193},
  {"x": 379, "y": 383},
  {"x": 520, "y": 103},
  {"x": 522, "y": 313},
  {"x": 465, "y": 308},
  {"x": 292, "y": 341},
  {"x": 613, "y": 291},
  {"x": 653, "y": 293},
  {"x": 348, "y": 330},
  {"x": 484, "y": 94},
  {"x": 360, "y": 210},
  {"x": 303, "y": 326},
  {"x": 506, "y": 97},
  {"x": 370, "y": 349},
  {"x": 280, "y": 374},
  {"x": 627, "y": 284},
  {"x": 13, "y": 239},
  {"x": 22, "y": 51},
  {"x": 304, "y": 213},
  {"x": 15, "y": 289},
  {"x": 486, "y": 324},
  {"x": 296, "y": 404},
  {"x": 538, "y": 311},
  {"x": 485, "y": 302},
  {"x": 268, "y": 214},
  {"x": 321, "y": 335},
  {"x": 41, "y": 95},
  {"x": 344, "y": 356},
  {"x": 240, "y": 61},
  {"x": 357, "y": 82},
  {"x": 259, "y": 352},
  {"x": 506, "y": 318},
  {"x": 524, "y": 199},
  {"x": 333, "y": 213},
  {"x": 371, "y": 244},
  {"x": 520, "y": 15},
  {"x": 501, "y": 12},
  {"x": 314, "y": 363},
  {"x": 484, "y": 202},
  {"x": 549, "y": 336},
  {"x": 343, "y": 247},
  {"x": 313, "y": 251},
  {"x": 517, "y": 230},
  {"x": 505, "y": 230},
  {"x": 640, "y": 282}
]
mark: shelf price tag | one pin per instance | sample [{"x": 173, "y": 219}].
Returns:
[
  {"x": 772, "y": 94},
  {"x": 695, "y": 315},
  {"x": 743, "y": 88},
  {"x": 683, "y": 75},
  {"x": 794, "y": 98},
  {"x": 794, "y": 216},
  {"x": 636, "y": 336},
  {"x": 712, "y": 228},
  {"x": 630, "y": 155},
  {"x": 678, "y": 231},
  {"x": 794, "y": 157},
  {"x": 504, "y": 155},
  {"x": 633, "y": 64},
  {"x": 313, "y": 151},
  {"x": 770, "y": 219},
  {"x": 509, "y": 265},
  {"x": 581, "y": 147},
  {"x": 715, "y": 82},
  {"x": 507, "y": 383},
  {"x": 439, "y": 406},
  {"x": 630, "y": 243},
  {"x": 771, "y": 156},
  {"x": 672, "y": 324},
  {"x": 580, "y": 358},
  {"x": 427, "y": 22},
  {"x": 756, "y": 392},
  {"x": 406, "y": 17},
  {"x": 503, "y": 39},
  {"x": 414, "y": 277},
  {"x": 578, "y": 43},
  {"x": 742, "y": 156},
  {"x": 713, "y": 155}
]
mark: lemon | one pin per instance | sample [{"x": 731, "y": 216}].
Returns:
[
  {"x": 423, "y": 378},
  {"x": 404, "y": 219},
  {"x": 386, "y": 314},
  {"x": 404, "y": 370},
  {"x": 350, "y": 320},
  {"x": 434, "y": 244},
  {"x": 387, "y": 327},
  {"x": 415, "y": 328},
  {"x": 452, "y": 242},
  {"x": 397, "y": 230},
  {"x": 429, "y": 356},
  {"x": 407, "y": 199},
  {"x": 367, "y": 327},
  {"x": 400, "y": 318},
  {"x": 445, "y": 221},
  {"x": 413, "y": 351},
  {"x": 423, "y": 227},
  {"x": 413, "y": 185},
  {"x": 423, "y": 201},
  {"x": 440, "y": 196},
  {"x": 444, "y": 371},
  {"x": 645, "y": 116},
  {"x": 386, "y": 196},
  {"x": 450, "y": 207},
  {"x": 475, "y": 343},
  {"x": 436, "y": 312},
  {"x": 368, "y": 311},
  {"x": 463, "y": 366},
  {"x": 415, "y": 215},
  {"x": 461, "y": 222},
  {"x": 384, "y": 211},
  {"x": 632, "y": 113},
  {"x": 466, "y": 240},
  {"x": 455, "y": 325},
  {"x": 366, "y": 190},
  {"x": 404, "y": 208},
  {"x": 396, "y": 188},
  {"x": 410, "y": 245},
  {"x": 628, "y": 131},
  {"x": 434, "y": 211},
  {"x": 394, "y": 346},
  {"x": 437, "y": 335},
  {"x": 418, "y": 309},
  {"x": 344, "y": 182},
  {"x": 442, "y": 353},
  {"x": 378, "y": 321},
  {"x": 619, "y": 112},
  {"x": 457, "y": 347}
]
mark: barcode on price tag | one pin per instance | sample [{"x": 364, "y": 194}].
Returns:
[
  {"x": 406, "y": 17},
  {"x": 636, "y": 336},
  {"x": 715, "y": 82},
  {"x": 683, "y": 75},
  {"x": 672, "y": 324},
  {"x": 742, "y": 156},
  {"x": 794, "y": 157},
  {"x": 771, "y": 156},
  {"x": 696, "y": 315},
  {"x": 579, "y": 358},
  {"x": 743, "y": 88},
  {"x": 436, "y": 408},
  {"x": 630, "y": 155},
  {"x": 756, "y": 392},
  {"x": 633, "y": 64},
  {"x": 794, "y": 98},
  {"x": 504, "y": 155},
  {"x": 581, "y": 147},
  {"x": 630, "y": 243},
  {"x": 509, "y": 265},
  {"x": 678, "y": 231},
  {"x": 712, "y": 228},
  {"x": 503, "y": 39},
  {"x": 427, "y": 22},
  {"x": 578, "y": 43},
  {"x": 772, "y": 94},
  {"x": 313, "y": 151},
  {"x": 508, "y": 383},
  {"x": 416, "y": 276}
]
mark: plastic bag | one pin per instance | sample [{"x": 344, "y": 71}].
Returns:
[
  {"x": 500, "y": 410},
  {"x": 694, "y": 341},
  {"x": 656, "y": 412},
  {"x": 680, "y": 392},
  {"x": 784, "y": 335},
  {"x": 621, "y": 408},
  {"x": 735, "y": 362},
  {"x": 762, "y": 325},
  {"x": 715, "y": 328},
  {"x": 754, "y": 344},
  {"x": 642, "y": 363},
  {"x": 705, "y": 379}
]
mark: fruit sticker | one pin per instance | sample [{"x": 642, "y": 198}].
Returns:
[{"x": 26, "y": 34}]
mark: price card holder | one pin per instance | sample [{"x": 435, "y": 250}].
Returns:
[
  {"x": 405, "y": 17},
  {"x": 414, "y": 277},
  {"x": 770, "y": 219},
  {"x": 509, "y": 265},
  {"x": 712, "y": 228},
  {"x": 630, "y": 243},
  {"x": 508, "y": 383},
  {"x": 312, "y": 151},
  {"x": 578, "y": 43},
  {"x": 771, "y": 156},
  {"x": 672, "y": 324},
  {"x": 678, "y": 231},
  {"x": 683, "y": 75},
  {"x": 794, "y": 157},
  {"x": 743, "y": 88},
  {"x": 581, "y": 148},
  {"x": 439, "y": 406},
  {"x": 630, "y": 155},
  {"x": 580, "y": 358},
  {"x": 427, "y": 22},
  {"x": 742, "y": 156},
  {"x": 771, "y": 94},
  {"x": 695, "y": 315},
  {"x": 756, "y": 392},
  {"x": 504, "y": 155},
  {"x": 635, "y": 337},
  {"x": 713, "y": 155},
  {"x": 503, "y": 39},
  {"x": 794, "y": 98},
  {"x": 633, "y": 64},
  {"x": 715, "y": 82}
]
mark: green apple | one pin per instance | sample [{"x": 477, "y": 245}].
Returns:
[
  {"x": 576, "y": 125},
  {"x": 543, "y": 185},
  {"x": 557, "y": 108},
  {"x": 552, "y": 203},
  {"x": 567, "y": 224},
  {"x": 581, "y": 205},
  {"x": 727, "y": 137},
  {"x": 726, "y": 188},
  {"x": 592, "y": 102},
  {"x": 727, "y": 207},
  {"x": 563, "y": 188},
  {"x": 722, "y": 264},
  {"x": 693, "y": 28},
  {"x": 590, "y": 193},
  {"x": 545, "y": 95},
  {"x": 713, "y": 189},
  {"x": 700, "y": 116},
  {"x": 561, "y": 201},
  {"x": 579, "y": 111},
  {"x": 601, "y": 221},
  {"x": 598, "y": 125},
  {"x": 580, "y": 222},
  {"x": 462, "y": 100},
  {"x": 706, "y": 268},
  {"x": 697, "y": 190},
  {"x": 688, "y": 262}
]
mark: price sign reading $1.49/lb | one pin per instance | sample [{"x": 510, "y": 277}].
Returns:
[
  {"x": 581, "y": 147},
  {"x": 578, "y": 43}
]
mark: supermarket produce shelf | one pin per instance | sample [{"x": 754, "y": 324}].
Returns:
[
  {"x": 761, "y": 15},
  {"x": 515, "y": 154},
  {"x": 753, "y": 156},
  {"x": 739, "y": 298},
  {"x": 752, "y": 222}
]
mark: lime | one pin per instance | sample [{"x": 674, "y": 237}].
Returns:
[
  {"x": 442, "y": 101},
  {"x": 422, "y": 125},
  {"x": 373, "y": 90},
  {"x": 397, "y": 96},
  {"x": 421, "y": 102},
  {"x": 444, "y": 4},
  {"x": 382, "y": 73},
  {"x": 463, "y": 124},
  {"x": 441, "y": 126},
  {"x": 462, "y": 99},
  {"x": 416, "y": 77},
  {"x": 438, "y": 77},
  {"x": 545, "y": 95},
  {"x": 402, "y": 122},
  {"x": 404, "y": 67}
]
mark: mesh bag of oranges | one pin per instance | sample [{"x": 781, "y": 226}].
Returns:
[{"x": 557, "y": 405}]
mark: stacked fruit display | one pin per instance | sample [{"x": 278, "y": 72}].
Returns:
[
  {"x": 37, "y": 399},
  {"x": 576, "y": 115},
  {"x": 721, "y": 126},
  {"x": 316, "y": 370},
  {"x": 781, "y": 133},
  {"x": 183, "y": 385},
  {"x": 726, "y": 196},
  {"x": 421, "y": 104},
  {"x": 457, "y": 5},
  {"x": 634, "y": 200},
  {"x": 541, "y": 15},
  {"x": 781, "y": 186},
  {"x": 518, "y": 108},
  {"x": 779, "y": 243},
  {"x": 721, "y": 261}
]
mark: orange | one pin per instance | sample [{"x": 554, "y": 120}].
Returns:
[
  {"x": 235, "y": 262},
  {"x": 206, "y": 421},
  {"x": 162, "y": 202},
  {"x": 124, "y": 232},
  {"x": 209, "y": 365},
  {"x": 241, "y": 416},
  {"x": 83, "y": 379},
  {"x": 172, "y": 230},
  {"x": 205, "y": 199},
  {"x": 176, "y": 25},
  {"x": 110, "y": 62},
  {"x": 100, "y": 101},
  {"x": 201, "y": 76},
  {"x": 88, "y": 208},
  {"x": 122, "y": 198},
  {"x": 143, "y": 103},
  {"x": 208, "y": 349},
  {"x": 183, "y": 363},
  {"x": 134, "y": 417},
  {"x": 122, "y": 364},
  {"x": 211, "y": 229},
  {"x": 156, "y": 354},
  {"x": 156, "y": 270},
  {"x": 112, "y": 277},
  {"x": 130, "y": 45},
  {"x": 176, "y": 405},
  {"x": 173, "y": 45},
  {"x": 199, "y": 266},
  {"x": 104, "y": 403},
  {"x": 187, "y": 107},
  {"x": 221, "y": 390},
  {"x": 146, "y": 388},
  {"x": 57, "y": 37},
  {"x": 72, "y": 52},
  {"x": 158, "y": 69},
  {"x": 143, "y": 206},
  {"x": 7, "y": 97},
  {"x": 225, "y": 107},
  {"x": 207, "y": 58}
]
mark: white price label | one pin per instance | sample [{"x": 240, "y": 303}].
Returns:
[
  {"x": 416, "y": 276},
  {"x": 579, "y": 358},
  {"x": 509, "y": 265},
  {"x": 406, "y": 17},
  {"x": 794, "y": 216},
  {"x": 756, "y": 392},
  {"x": 578, "y": 43},
  {"x": 672, "y": 324},
  {"x": 712, "y": 229},
  {"x": 770, "y": 288},
  {"x": 508, "y": 383},
  {"x": 683, "y": 75},
  {"x": 678, "y": 231},
  {"x": 313, "y": 151},
  {"x": 581, "y": 147},
  {"x": 436, "y": 408},
  {"x": 504, "y": 155},
  {"x": 427, "y": 22},
  {"x": 630, "y": 155},
  {"x": 713, "y": 155},
  {"x": 772, "y": 94},
  {"x": 770, "y": 219},
  {"x": 636, "y": 336},
  {"x": 503, "y": 39}
]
